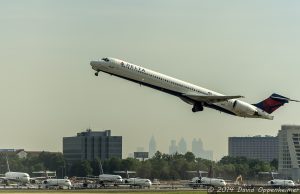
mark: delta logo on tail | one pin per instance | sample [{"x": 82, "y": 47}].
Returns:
[{"x": 273, "y": 103}]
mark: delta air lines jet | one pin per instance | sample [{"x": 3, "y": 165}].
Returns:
[{"x": 192, "y": 94}]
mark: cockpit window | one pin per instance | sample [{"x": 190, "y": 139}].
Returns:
[{"x": 105, "y": 59}]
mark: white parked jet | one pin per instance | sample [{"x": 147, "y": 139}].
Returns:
[
  {"x": 206, "y": 181},
  {"x": 278, "y": 182},
  {"x": 139, "y": 182},
  {"x": 51, "y": 181},
  {"x": 192, "y": 94},
  {"x": 105, "y": 179},
  {"x": 108, "y": 178},
  {"x": 18, "y": 177},
  {"x": 54, "y": 182}
]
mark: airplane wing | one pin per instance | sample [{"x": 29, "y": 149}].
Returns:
[{"x": 211, "y": 99}]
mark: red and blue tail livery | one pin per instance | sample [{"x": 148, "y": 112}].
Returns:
[{"x": 272, "y": 103}]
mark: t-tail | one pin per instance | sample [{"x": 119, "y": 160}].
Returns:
[{"x": 272, "y": 103}]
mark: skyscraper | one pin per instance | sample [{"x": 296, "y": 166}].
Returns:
[
  {"x": 199, "y": 152},
  {"x": 173, "y": 147},
  {"x": 152, "y": 147},
  {"x": 197, "y": 147},
  {"x": 182, "y": 148}
]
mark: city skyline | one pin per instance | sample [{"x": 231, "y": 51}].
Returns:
[{"x": 49, "y": 91}]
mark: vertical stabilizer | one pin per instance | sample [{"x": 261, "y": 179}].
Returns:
[
  {"x": 7, "y": 163},
  {"x": 272, "y": 103}
]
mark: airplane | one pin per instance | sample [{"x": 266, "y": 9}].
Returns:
[
  {"x": 18, "y": 177},
  {"x": 278, "y": 182},
  {"x": 206, "y": 181},
  {"x": 192, "y": 94},
  {"x": 51, "y": 181},
  {"x": 109, "y": 178},
  {"x": 139, "y": 182},
  {"x": 104, "y": 179},
  {"x": 54, "y": 182}
]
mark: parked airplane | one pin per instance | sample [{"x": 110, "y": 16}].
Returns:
[
  {"x": 278, "y": 182},
  {"x": 192, "y": 94},
  {"x": 18, "y": 177},
  {"x": 104, "y": 179},
  {"x": 54, "y": 182},
  {"x": 139, "y": 182},
  {"x": 51, "y": 181},
  {"x": 206, "y": 181},
  {"x": 109, "y": 178}
]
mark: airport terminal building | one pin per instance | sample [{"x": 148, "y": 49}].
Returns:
[
  {"x": 289, "y": 151},
  {"x": 89, "y": 145},
  {"x": 263, "y": 148}
]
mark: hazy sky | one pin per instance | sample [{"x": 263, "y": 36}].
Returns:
[{"x": 48, "y": 89}]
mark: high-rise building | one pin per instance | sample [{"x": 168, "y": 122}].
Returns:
[
  {"x": 152, "y": 147},
  {"x": 289, "y": 151},
  {"x": 90, "y": 145},
  {"x": 257, "y": 147},
  {"x": 197, "y": 147},
  {"x": 182, "y": 148},
  {"x": 199, "y": 152},
  {"x": 173, "y": 147}
]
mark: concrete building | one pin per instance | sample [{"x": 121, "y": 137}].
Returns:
[
  {"x": 257, "y": 147},
  {"x": 90, "y": 145},
  {"x": 289, "y": 151}
]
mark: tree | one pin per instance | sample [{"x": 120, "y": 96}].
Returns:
[
  {"x": 274, "y": 164},
  {"x": 81, "y": 169},
  {"x": 189, "y": 156}
]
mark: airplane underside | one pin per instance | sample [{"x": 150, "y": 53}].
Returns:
[{"x": 197, "y": 106}]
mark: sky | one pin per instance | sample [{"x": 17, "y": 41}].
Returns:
[{"x": 48, "y": 89}]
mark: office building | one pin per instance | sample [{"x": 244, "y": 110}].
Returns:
[
  {"x": 89, "y": 145},
  {"x": 263, "y": 148},
  {"x": 289, "y": 151}
]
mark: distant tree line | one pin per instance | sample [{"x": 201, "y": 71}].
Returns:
[{"x": 161, "y": 166}]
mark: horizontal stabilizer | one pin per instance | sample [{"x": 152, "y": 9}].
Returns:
[{"x": 211, "y": 99}]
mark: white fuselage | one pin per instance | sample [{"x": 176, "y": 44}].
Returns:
[
  {"x": 17, "y": 177},
  {"x": 281, "y": 183},
  {"x": 175, "y": 87},
  {"x": 138, "y": 182},
  {"x": 110, "y": 178},
  {"x": 57, "y": 182},
  {"x": 208, "y": 181}
]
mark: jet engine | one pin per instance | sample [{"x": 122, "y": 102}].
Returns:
[{"x": 243, "y": 108}]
